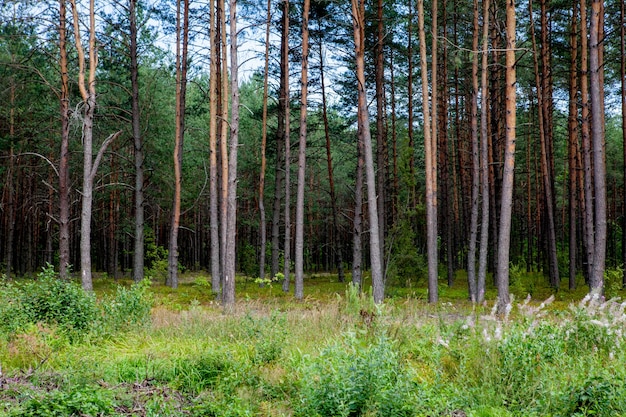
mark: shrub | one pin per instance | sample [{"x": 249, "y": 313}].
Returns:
[
  {"x": 47, "y": 300},
  {"x": 356, "y": 378}
]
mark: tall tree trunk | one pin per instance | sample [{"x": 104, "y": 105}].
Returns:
[
  {"x": 504, "y": 239},
  {"x": 597, "y": 139},
  {"x": 358, "y": 24},
  {"x": 223, "y": 138},
  {"x": 471, "y": 252},
  {"x": 546, "y": 171},
  {"x": 214, "y": 86},
  {"x": 431, "y": 158},
  {"x": 299, "y": 246},
  {"x": 381, "y": 128},
  {"x": 412, "y": 200},
  {"x": 10, "y": 184},
  {"x": 573, "y": 144},
  {"x": 395, "y": 186},
  {"x": 231, "y": 231},
  {"x": 586, "y": 141},
  {"x": 484, "y": 160},
  {"x": 284, "y": 60},
  {"x": 331, "y": 177},
  {"x": 182, "y": 30},
  {"x": 444, "y": 155},
  {"x": 90, "y": 165},
  {"x": 433, "y": 249},
  {"x": 623, "y": 95},
  {"x": 262, "y": 222},
  {"x": 357, "y": 221},
  {"x": 138, "y": 253},
  {"x": 64, "y": 160}
]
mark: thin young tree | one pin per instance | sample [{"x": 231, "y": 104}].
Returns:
[
  {"x": 329, "y": 164},
  {"x": 299, "y": 244},
  {"x": 572, "y": 127},
  {"x": 484, "y": 159},
  {"x": 138, "y": 253},
  {"x": 284, "y": 72},
  {"x": 431, "y": 164},
  {"x": 358, "y": 24},
  {"x": 262, "y": 221},
  {"x": 504, "y": 238},
  {"x": 64, "y": 160},
  {"x": 471, "y": 252},
  {"x": 182, "y": 42},
  {"x": 381, "y": 127},
  {"x": 90, "y": 165}
]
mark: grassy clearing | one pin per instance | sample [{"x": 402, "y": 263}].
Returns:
[{"x": 333, "y": 354}]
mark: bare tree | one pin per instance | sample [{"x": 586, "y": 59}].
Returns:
[{"x": 90, "y": 165}]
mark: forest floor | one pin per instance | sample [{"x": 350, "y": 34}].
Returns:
[{"x": 154, "y": 351}]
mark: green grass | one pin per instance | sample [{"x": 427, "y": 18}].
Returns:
[{"x": 332, "y": 354}]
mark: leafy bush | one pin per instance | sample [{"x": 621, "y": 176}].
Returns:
[
  {"x": 66, "y": 306},
  {"x": 47, "y": 300},
  {"x": 356, "y": 378},
  {"x": 597, "y": 395}
]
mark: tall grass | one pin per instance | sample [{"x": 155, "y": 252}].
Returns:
[{"x": 339, "y": 355}]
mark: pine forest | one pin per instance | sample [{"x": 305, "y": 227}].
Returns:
[{"x": 393, "y": 144}]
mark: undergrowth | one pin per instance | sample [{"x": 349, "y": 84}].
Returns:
[{"x": 343, "y": 355}]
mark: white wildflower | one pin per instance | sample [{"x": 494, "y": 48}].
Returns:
[
  {"x": 486, "y": 335},
  {"x": 498, "y": 333},
  {"x": 443, "y": 343}
]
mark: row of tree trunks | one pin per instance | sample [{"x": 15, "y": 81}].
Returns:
[{"x": 543, "y": 107}]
